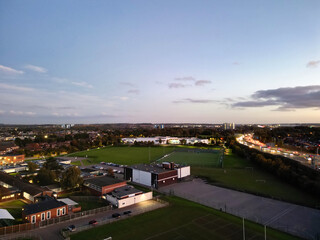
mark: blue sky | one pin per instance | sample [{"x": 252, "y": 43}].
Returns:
[{"x": 159, "y": 61}]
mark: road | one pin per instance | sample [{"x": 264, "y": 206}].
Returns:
[{"x": 301, "y": 157}]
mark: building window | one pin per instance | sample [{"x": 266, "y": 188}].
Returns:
[
  {"x": 63, "y": 211},
  {"x": 48, "y": 215},
  {"x": 58, "y": 212},
  {"x": 33, "y": 219},
  {"x": 43, "y": 216}
]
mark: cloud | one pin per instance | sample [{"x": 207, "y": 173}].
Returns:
[
  {"x": 191, "y": 100},
  {"x": 59, "y": 80},
  {"x": 202, "y": 82},
  {"x": 236, "y": 63},
  {"x": 15, "y": 88},
  {"x": 127, "y": 84},
  {"x": 185, "y": 79},
  {"x": 313, "y": 64},
  {"x": 289, "y": 98},
  {"x": 134, "y": 91},
  {"x": 35, "y": 68},
  {"x": 9, "y": 70},
  {"x": 177, "y": 85},
  {"x": 82, "y": 84},
  {"x": 20, "y": 113}
]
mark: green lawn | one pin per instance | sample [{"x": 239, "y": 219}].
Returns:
[
  {"x": 12, "y": 204},
  {"x": 127, "y": 155},
  {"x": 88, "y": 205},
  {"x": 181, "y": 220},
  {"x": 241, "y": 175},
  {"x": 194, "y": 158}
]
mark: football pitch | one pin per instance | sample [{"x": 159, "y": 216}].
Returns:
[
  {"x": 181, "y": 220},
  {"x": 194, "y": 158}
]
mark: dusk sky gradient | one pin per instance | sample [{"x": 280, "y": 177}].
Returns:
[{"x": 162, "y": 61}]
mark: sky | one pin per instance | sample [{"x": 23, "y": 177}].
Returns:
[{"x": 161, "y": 61}]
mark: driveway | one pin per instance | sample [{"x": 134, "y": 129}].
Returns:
[{"x": 295, "y": 219}]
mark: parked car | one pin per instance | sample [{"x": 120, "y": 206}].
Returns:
[
  {"x": 127, "y": 212},
  {"x": 93, "y": 222},
  {"x": 72, "y": 228},
  {"x": 116, "y": 215}
]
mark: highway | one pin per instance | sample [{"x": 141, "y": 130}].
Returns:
[{"x": 303, "y": 158}]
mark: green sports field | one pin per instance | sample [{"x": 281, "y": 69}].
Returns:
[
  {"x": 183, "y": 220},
  {"x": 194, "y": 158},
  {"x": 127, "y": 155}
]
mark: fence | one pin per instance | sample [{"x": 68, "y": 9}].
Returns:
[
  {"x": 222, "y": 206},
  {"x": 30, "y": 226},
  {"x": 85, "y": 198}
]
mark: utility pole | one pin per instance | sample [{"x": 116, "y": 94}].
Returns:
[{"x": 265, "y": 232}]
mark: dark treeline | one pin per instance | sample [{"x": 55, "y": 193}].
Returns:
[{"x": 289, "y": 170}]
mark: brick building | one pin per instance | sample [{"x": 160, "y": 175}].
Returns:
[
  {"x": 102, "y": 185},
  {"x": 44, "y": 210},
  {"x": 11, "y": 159}
]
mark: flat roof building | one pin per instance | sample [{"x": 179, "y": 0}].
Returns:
[{"x": 103, "y": 185}]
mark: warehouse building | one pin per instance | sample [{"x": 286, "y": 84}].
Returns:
[
  {"x": 126, "y": 196},
  {"x": 156, "y": 175}
]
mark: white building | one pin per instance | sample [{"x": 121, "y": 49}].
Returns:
[{"x": 126, "y": 196}]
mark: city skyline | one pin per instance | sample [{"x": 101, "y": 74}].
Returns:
[{"x": 159, "y": 62}]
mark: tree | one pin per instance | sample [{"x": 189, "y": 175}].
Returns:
[
  {"x": 110, "y": 172},
  {"x": 71, "y": 178},
  {"x": 52, "y": 164},
  {"x": 46, "y": 176},
  {"x": 32, "y": 166}
]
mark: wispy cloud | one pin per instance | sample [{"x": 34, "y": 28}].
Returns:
[
  {"x": 82, "y": 84},
  {"x": 202, "y": 82},
  {"x": 177, "y": 85},
  {"x": 20, "y": 113},
  {"x": 185, "y": 78},
  {"x": 192, "y": 100},
  {"x": 127, "y": 84},
  {"x": 134, "y": 91},
  {"x": 289, "y": 98},
  {"x": 35, "y": 68},
  {"x": 313, "y": 64},
  {"x": 9, "y": 70},
  {"x": 15, "y": 87}
]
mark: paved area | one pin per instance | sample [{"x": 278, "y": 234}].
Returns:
[
  {"x": 297, "y": 220},
  {"x": 52, "y": 232}
]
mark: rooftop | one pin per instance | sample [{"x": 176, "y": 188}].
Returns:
[
  {"x": 154, "y": 168},
  {"x": 125, "y": 191},
  {"x": 49, "y": 203},
  {"x": 103, "y": 181}
]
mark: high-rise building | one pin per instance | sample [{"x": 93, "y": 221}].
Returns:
[{"x": 227, "y": 126}]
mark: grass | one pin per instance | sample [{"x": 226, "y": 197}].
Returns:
[
  {"x": 12, "y": 204},
  {"x": 194, "y": 159},
  {"x": 88, "y": 205},
  {"x": 127, "y": 155},
  {"x": 14, "y": 207},
  {"x": 181, "y": 220},
  {"x": 240, "y": 174}
]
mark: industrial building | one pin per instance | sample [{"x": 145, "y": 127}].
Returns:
[{"x": 156, "y": 175}]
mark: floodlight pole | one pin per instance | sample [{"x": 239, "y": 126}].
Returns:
[
  {"x": 265, "y": 232},
  {"x": 243, "y": 230},
  {"x": 149, "y": 155}
]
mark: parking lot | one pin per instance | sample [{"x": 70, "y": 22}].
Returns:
[{"x": 297, "y": 220}]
